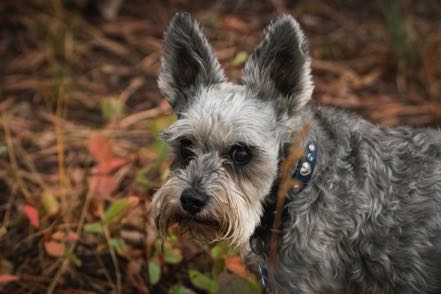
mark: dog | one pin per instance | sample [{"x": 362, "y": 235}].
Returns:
[{"x": 367, "y": 215}]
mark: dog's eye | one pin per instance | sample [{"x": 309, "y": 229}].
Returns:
[
  {"x": 240, "y": 154},
  {"x": 186, "y": 152}
]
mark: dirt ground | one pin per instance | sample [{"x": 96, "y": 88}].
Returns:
[{"x": 80, "y": 156}]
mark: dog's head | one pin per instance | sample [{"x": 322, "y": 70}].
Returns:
[{"x": 226, "y": 142}]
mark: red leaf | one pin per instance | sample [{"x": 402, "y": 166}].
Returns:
[
  {"x": 8, "y": 278},
  {"x": 101, "y": 147},
  {"x": 234, "y": 264},
  {"x": 105, "y": 167},
  {"x": 101, "y": 185},
  {"x": 32, "y": 215}
]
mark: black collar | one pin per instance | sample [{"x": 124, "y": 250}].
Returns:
[
  {"x": 305, "y": 167},
  {"x": 302, "y": 173}
]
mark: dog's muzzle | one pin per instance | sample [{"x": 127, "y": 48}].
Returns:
[{"x": 193, "y": 201}]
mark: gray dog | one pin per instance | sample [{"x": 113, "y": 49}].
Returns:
[{"x": 367, "y": 215}]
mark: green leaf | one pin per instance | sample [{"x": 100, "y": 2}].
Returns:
[
  {"x": 160, "y": 123},
  {"x": 73, "y": 258},
  {"x": 50, "y": 203},
  {"x": 112, "y": 108},
  {"x": 223, "y": 249},
  {"x": 218, "y": 259},
  {"x": 107, "y": 68},
  {"x": 255, "y": 286},
  {"x": 116, "y": 210},
  {"x": 240, "y": 58},
  {"x": 178, "y": 289},
  {"x": 235, "y": 285},
  {"x": 119, "y": 245},
  {"x": 93, "y": 228},
  {"x": 142, "y": 175},
  {"x": 158, "y": 247},
  {"x": 218, "y": 266},
  {"x": 172, "y": 238},
  {"x": 165, "y": 173},
  {"x": 161, "y": 148},
  {"x": 172, "y": 255},
  {"x": 217, "y": 250},
  {"x": 154, "y": 273},
  {"x": 3, "y": 150},
  {"x": 203, "y": 282}
]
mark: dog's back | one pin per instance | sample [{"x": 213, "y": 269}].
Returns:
[{"x": 370, "y": 219}]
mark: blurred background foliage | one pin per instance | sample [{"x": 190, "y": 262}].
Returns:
[{"x": 80, "y": 156}]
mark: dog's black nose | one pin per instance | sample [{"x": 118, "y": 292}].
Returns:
[{"x": 193, "y": 201}]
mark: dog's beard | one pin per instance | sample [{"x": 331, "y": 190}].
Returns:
[{"x": 230, "y": 215}]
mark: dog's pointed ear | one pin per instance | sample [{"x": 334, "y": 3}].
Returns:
[
  {"x": 280, "y": 67},
  {"x": 188, "y": 62}
]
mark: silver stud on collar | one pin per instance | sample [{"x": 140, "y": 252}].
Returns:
[
  {"x": 305, "y": 169},
  {"x": 311, "y": 147}
]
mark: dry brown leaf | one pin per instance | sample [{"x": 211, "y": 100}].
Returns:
[{"x": 54, "y": 248}]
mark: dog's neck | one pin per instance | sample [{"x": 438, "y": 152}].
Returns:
[{"x": 302, "y": 172}]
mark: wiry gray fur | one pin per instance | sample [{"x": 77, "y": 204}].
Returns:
[{"x": 369, "y": 220}]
